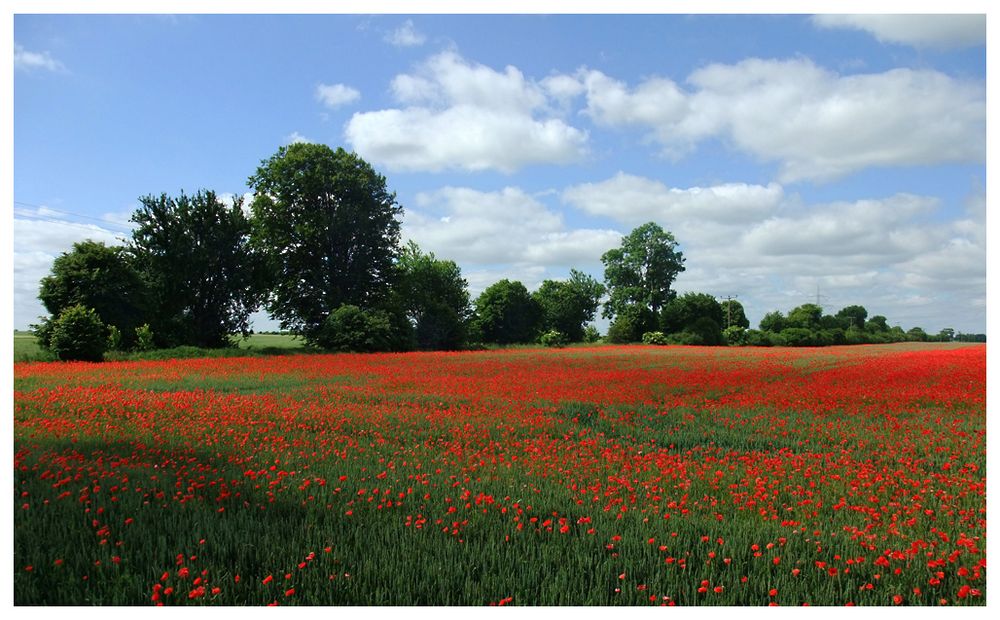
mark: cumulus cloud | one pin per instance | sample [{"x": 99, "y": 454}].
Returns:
[
  {"x": 25, "y": 60},
  {"x": 935, "y": 31},
  {"x": 461, "y": 115},
  {"x": 507, "y": 226},
  {"x": 336, "y": 95},
  {"x": 405, "y": 36},
  {"x": 817, "y": 124},
  {"x": 632, "y": 199}
]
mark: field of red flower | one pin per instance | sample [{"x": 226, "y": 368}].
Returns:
[{"x": 601, "y": 476}]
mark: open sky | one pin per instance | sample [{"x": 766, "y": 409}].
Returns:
[{"x": 790, "y": 155}]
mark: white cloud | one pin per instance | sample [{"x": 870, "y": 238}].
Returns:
[
  {"x": 631, "y": 199},
  {"x": 336, "y": 95},
  {"x": 297, "y": 138},
  {"x": 405, "y": 36},
  {"x": 507, "y": 226},
  {"x": 936, "y": 31},
  {"x": 29, "y": 61},
  {"x": 816, "y": 124},
  {"x": 465, "y": 116}
]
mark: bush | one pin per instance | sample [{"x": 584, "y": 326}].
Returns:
[
  {"x": 798, "y": 337},
  {"x": 79, "y": 334},
  {"x": 686, "y": 339},
  {"x": 630, "y": 325},
  {"x": 144, "y": 338},
  {"x": 735, "y": 336},
  {"x": 590, "y": 334},
  {"x": 349, "y": 328},
  {"x": 654, "y": 338},
  {"x": 114, "y": 338},
  {"x": 758, "y": 338},
  {"x": 553, "y": 338}
]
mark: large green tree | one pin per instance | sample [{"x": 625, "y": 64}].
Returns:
[
  {"x": 852, "y": 316},
  {"x": 568, "y": 305},
  {"x": 733, "y": 314},
  {"x": 506, "y": 313},
  {"x": 204, "y": 278},
  {"x": 329, "y": 230},
  {"x": 435, "y": 298},
  {"x": 642, "y": 271},
  {"x": 94, "y": 275}
]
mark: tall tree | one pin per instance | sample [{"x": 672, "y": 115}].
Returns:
[
  {"x": 733, "y": 314},
  {"x": 506, "y": 313},
  {"x": 567, "y": 305},
  {"x": 203, "y": 276},
  {"x": 328, "y": 228},
  {"x": 642, "y": 270},
  {"x": 100, "y": 277},
  {"x": 852, "y": 316},
  {"x": 435, "y": 297},
  {"x": 806, "y": 316}
]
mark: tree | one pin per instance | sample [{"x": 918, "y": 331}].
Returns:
[
  {"x": 642, "y": 270},
  {"x": 773, "y": 322},
  {"x": 806, "y": 316},
  {"x": 877, "y": 324},
  {"x": 733, "y": 314},
  {"x": 853, "y": 316},
  {"x": 328, "y": 229},
  {"x": 568, "y": 305},
  {"x": 349, "y": 328},
  {"x": 506, "y": 313},
  {"x": 916, "y": 334},
  {"x": 204, "y": 278},
  {"x": 946, "y": 335},
  {"x": 99, "y": 277},
  {"x": 435, "y": 298},
  {"x": 683, "y": 312}
]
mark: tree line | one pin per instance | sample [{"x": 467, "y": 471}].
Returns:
[{"x": 318, "y": 246}]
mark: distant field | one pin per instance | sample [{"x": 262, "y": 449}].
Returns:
[{"x": 26, "y": 347}]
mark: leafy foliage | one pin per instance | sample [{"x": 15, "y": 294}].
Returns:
[
  {"x": 641, "y": 271},
  {"x": 349, "y": 328},
  {"x": 568, "y": 305},
  {"x": 435, "y": 299},
  {"x": 553, "y": 338},
  {"x": 328, "y": 229},
  {"x": 204, "y": 278},
  {"x": 506, "y": 313},
  {"x": 79, "y": 334},
  {"x": 95, "y": 276}
]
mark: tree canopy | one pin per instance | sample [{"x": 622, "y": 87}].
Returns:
[
  {"x": 195, "y": 256},
  {"x": 568, "y": 305},
  {"x": 434, "y": 296},
  {"x": 506, "y": 313},
  {"x": 642, "y": 271},
  {"x": 98, "y": 277},
  {"x": 328, "y": 229}
]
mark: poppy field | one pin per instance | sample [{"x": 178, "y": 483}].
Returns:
[{"x": 635, "y": 475}]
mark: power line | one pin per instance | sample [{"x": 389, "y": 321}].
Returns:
[{"x": 44, "y": 217}]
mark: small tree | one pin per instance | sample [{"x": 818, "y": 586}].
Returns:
[
  {"x": 568, "y": 305},
  {"x": 79, "y": 334},
  {"x": 349, "y": 328},
  {"x": 506, "y": 313}
]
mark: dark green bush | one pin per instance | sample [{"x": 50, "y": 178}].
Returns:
[
  {"x": 79, "y": 334},
  {"x": 349, "y": 328}
]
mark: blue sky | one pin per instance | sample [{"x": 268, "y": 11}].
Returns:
[{"x": 786, "y": 153}]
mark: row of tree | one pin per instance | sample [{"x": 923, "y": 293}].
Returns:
[{"x": 319, "y": 247}]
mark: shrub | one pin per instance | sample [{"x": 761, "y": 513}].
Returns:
[
  {"x": 654, "y": 338},
  {"x": 79, "y": 334},
  {"x": 590, "y": 334},
  {"x": 686, "y": 338},
  {"x": 144, "y": 338},
  {"x": 798, "y": 337},
  {"x": 349, "y": 328},
  {"x": 757, "y": 338},
  {"x": 114, "y": 338},
  {"x": 553, "y": 338},
  {"x": 735, "y": 336}
]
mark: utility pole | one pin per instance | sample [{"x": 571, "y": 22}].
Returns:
[{"x": 729, "y": 309}]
